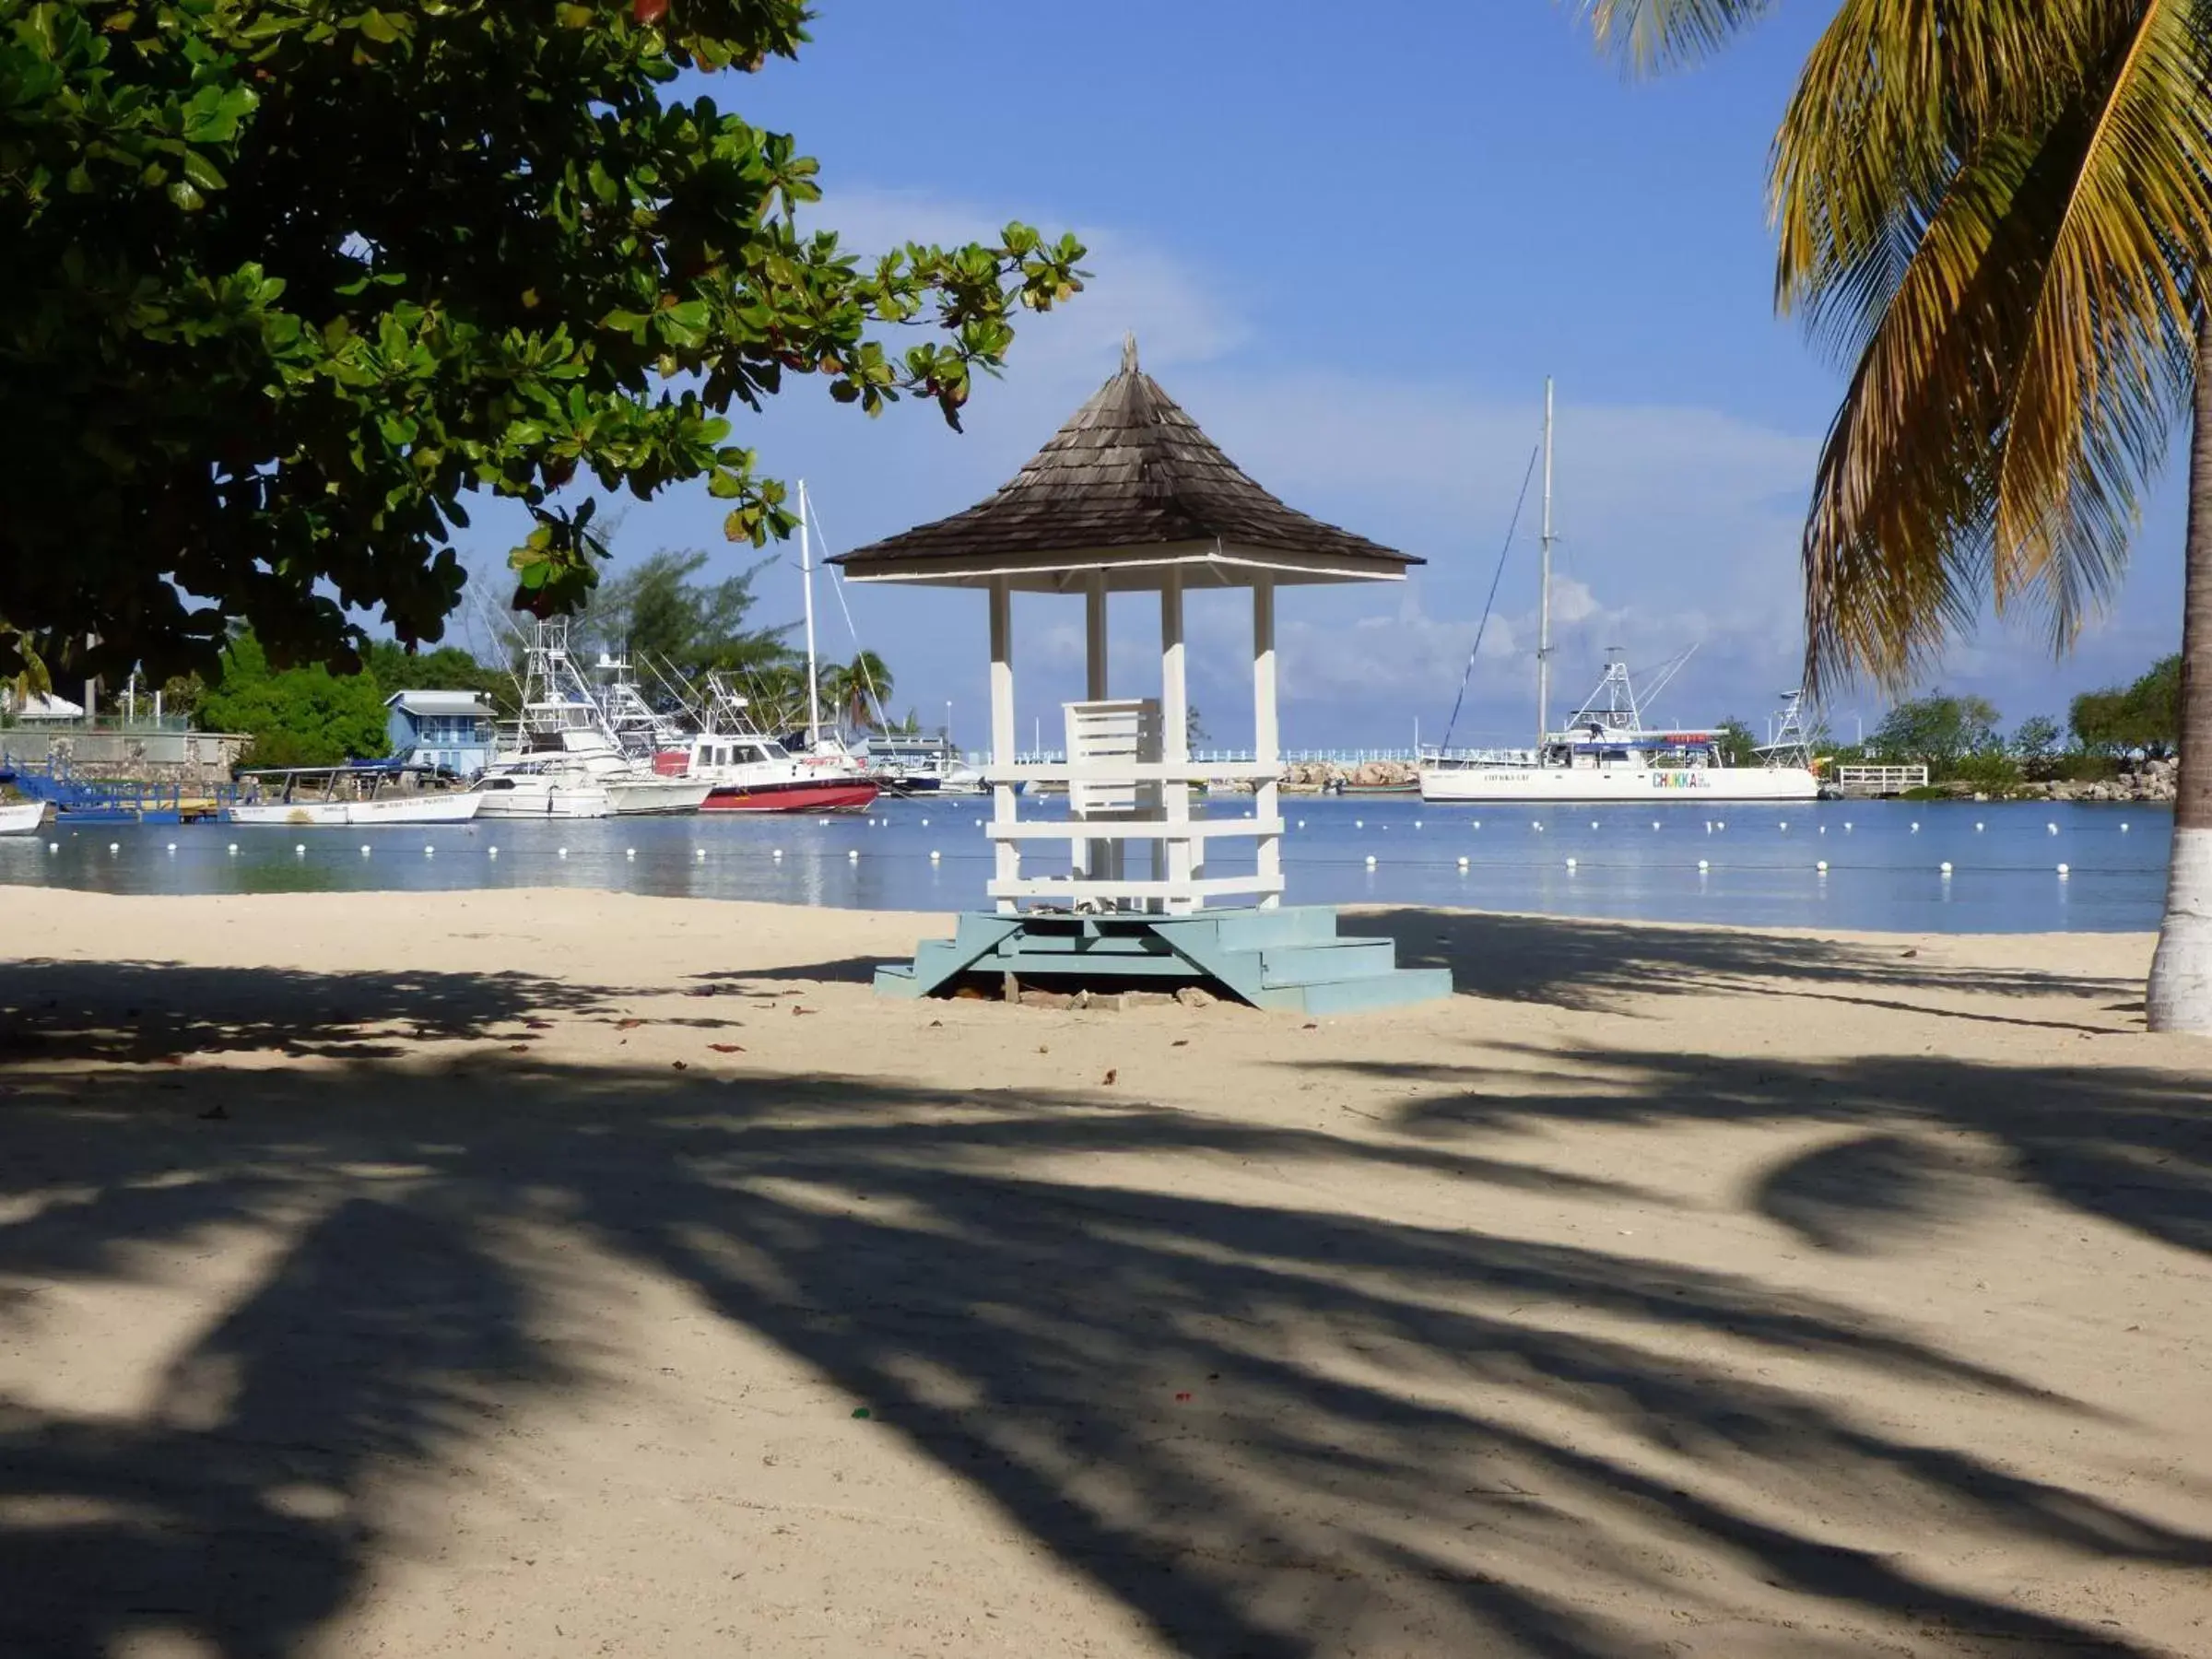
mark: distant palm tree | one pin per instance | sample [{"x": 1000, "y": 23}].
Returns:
[
  {"x": 1998, "y": 213},
  {"x": 777, "y": 694},
  {"x": 855, "y": 692}
]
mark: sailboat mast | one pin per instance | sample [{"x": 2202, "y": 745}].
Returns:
[
  {"x": 1544, "y": 594},
  {"x": 814, "y": 681}
]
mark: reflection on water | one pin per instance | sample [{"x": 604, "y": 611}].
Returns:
[{"x": 1884, "y": 860}]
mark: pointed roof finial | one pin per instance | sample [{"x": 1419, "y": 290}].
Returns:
[{"x": 1129, "y": 353}]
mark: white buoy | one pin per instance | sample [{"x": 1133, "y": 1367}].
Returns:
[
  {"x": 364, "y": 849},
  {"x": 777, "y": 853},
  {"x": 699, "y": 854},
  {"x": 1723, "y": 823},
  {"x": 2052, "y": 827},
  {"x": 1822, "y": 866},
  {"x": 2124, "y": 828},
  {"x": 1947, "y": 867},
  {"x": 629, "y": 852},
  {"x": 1785, "y": 824},
  {"x": 1592, "y": 823},
  {"x": 1916, "y": 828},
  {"x": 57, "y": 847},
  {"x": 1703, "y": 867},
  {"x": 491, "y": 851},
  {"x": 1846, "y": 825},
  {"x": 1462, "y": 863},
  {"x": 172, "y": 846},
  {"x": 1571, "y": 863},
  {"x": 1371, "y": 860},
  {"x": 934, "y": 855},
  {"x": 430, "y": 851},
  {"x": 925, "y": 822},
  {"x": 852, "y": 857},
  {"x": 1417, "y": 822},
  {"x": 1477, "y": 823},
  {"x": 1301, "y": 823},
  {"x": 232, "y": 848},
  {"x": 301, "y": 848},
  {"x": 823, "y": 822},
  {"x": 1654, "y": 823},
  {"x": 1358, "y": 823},
  {"x": 2062, "y": 870},
  {"x": 1977, "y": 826},
  {"x": 1536, "y": 826},
  {"x": 115, "y": 846},
  {"x": 564, "y": 851},
  {"x": 1824, "y": 829}
]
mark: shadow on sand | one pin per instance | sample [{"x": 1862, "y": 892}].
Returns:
[{"x": 1327, "y": 1485}]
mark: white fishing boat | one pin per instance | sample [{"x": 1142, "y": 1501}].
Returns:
[
  {"x": 21, "y": 817},
  {"x": 338, "y": 796},
  {"x": 1604, "y": 752},
  {"x": 540, "y": 787},
  {"x": 564, "y": 721}
]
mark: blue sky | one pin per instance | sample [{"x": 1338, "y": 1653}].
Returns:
[{"x": 1353, "y": 242}]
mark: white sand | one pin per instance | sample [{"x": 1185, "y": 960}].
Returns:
[{"x": 1670, "y": 1290}]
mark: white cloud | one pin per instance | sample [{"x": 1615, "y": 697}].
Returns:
[{"x": 1174, "y": 308}]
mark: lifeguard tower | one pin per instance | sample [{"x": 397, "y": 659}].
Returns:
[{"x": 1130, "y": 497}]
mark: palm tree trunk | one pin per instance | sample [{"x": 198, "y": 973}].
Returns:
[{"x": 2179, "y": 997}]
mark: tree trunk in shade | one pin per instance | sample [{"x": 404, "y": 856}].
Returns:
[{"x": 2179, "y": 997}]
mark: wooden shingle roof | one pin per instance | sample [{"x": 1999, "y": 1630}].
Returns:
[{"x": 1129, "y": 471}]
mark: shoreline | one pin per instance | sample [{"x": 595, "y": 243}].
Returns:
[{"x": 524, "y": 1271}]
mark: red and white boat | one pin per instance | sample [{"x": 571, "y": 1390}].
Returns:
[
  {"x": 749, "y": 772},
  {"x": 746, "y": 771}
]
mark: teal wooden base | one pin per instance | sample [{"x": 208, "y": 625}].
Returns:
[{"x": 1292, "y": 958}]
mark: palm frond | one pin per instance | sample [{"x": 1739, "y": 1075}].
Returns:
[
  {"x": 1650, "y": 36},
  {"x": 2110, "y": 349},
  {"x": 2004, "y": 250}
]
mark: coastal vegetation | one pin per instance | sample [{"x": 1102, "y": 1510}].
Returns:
[
  {"x": 1996, "y": 217},
  {"x": 295, "y": 288}
]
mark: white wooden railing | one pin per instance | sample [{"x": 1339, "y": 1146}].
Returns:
[{"x": 1121, "y": 790}]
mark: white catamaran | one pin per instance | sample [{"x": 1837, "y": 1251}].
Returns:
[{"x": 1604, "y": 752}]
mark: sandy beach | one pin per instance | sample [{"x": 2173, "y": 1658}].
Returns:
[{"x": 571, "y": 1273}]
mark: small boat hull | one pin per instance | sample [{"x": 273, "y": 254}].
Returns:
[
  {"x": 458, "y": 807},
  {"x": 551, "y": 804},
  {"x": 661, "y": 795},
  {"x": 21, "y": 817},
  {"x": 827, "y": 794}
]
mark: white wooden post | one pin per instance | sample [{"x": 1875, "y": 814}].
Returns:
[
  {"x": 1099, "y": 859},
  {"x": 1266, "y": 736},
  {"x": 1175, "y": 741},
  {"x": 1008, "y": 855}
]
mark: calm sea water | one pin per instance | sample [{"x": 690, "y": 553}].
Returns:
[{"x": 1884, "y": 860}]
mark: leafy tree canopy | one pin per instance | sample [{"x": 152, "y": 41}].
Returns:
[
  {"x": 1940, "y": 729},
  {"x": 1737, "y": 744},
  {"x": 2145, "y": 715},
  {"x": 2037, "y": 738},
  {"x": 661, "y": 620},
  {"x": 290, "y": 280},
  {"x": 296, "y": 716}
]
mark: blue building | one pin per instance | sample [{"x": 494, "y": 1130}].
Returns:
[{"x": 452, "y": 729}]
